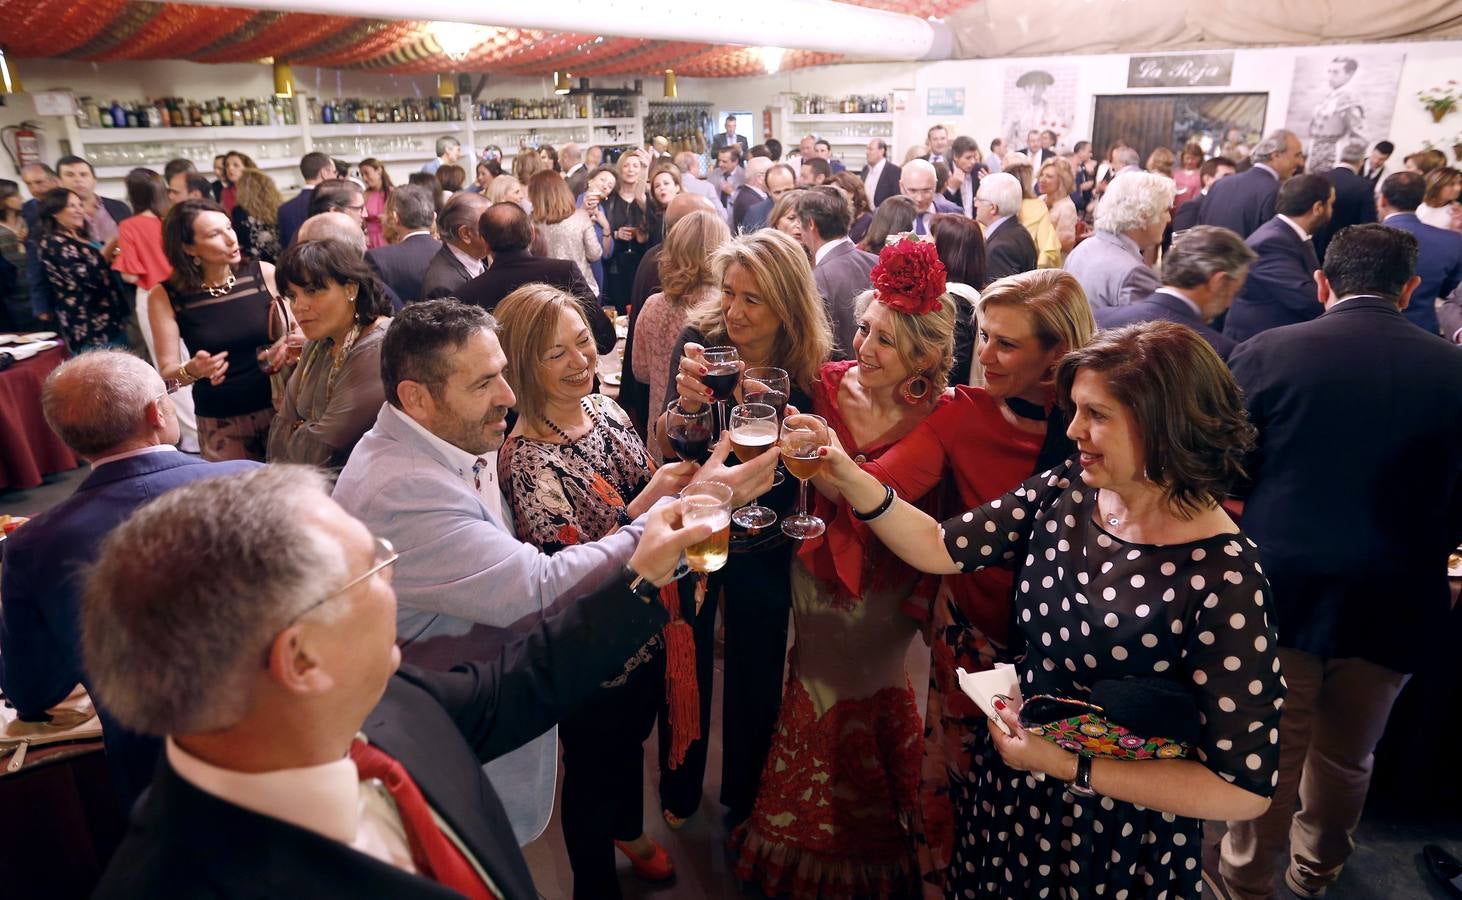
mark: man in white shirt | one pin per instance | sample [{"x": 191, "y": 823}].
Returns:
[{"x": 880, "y": 176}]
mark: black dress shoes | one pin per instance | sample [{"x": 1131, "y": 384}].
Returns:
[{"x": 1444, "y": 867}]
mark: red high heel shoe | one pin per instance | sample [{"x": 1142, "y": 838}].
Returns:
[{"x": 657, "y": 868}]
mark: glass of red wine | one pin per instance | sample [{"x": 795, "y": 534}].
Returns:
[
  {"x": 722, "y": 375},
  {"x": 689, "y": 431},
  {"x": 772, "y": 386}
]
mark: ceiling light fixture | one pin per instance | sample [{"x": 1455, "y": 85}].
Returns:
[
  {"x": 670, "y": 90},
  {"x": 456, "y": 39},
  {"x": 561, "y": 83},
  {"x": 283, "y": 79},
  {"x": 771, "y": 58}
]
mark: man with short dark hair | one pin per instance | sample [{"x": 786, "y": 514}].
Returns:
[
  {"x": 1201, "y": 272},
  {"x": 841, "y": 270},
  {"x": 103, "y": 214},
  {"x": 964, "y": 176},
  {"x": 174, "y": 166},
  {"x": 881, "y": 175},
  {"x": 315, "y": 167},
  {"x": 463, "y": 250},
  {"x": 301, "y": 757},
  {"x": 113, "y": 410},
  {"x": 1244, "y": 202},
  {"x": 729, "y": 138},
  {"x": 1281, "y": 286},
  {"x": 1212, "y": 169},
  {"x": 411, "y": 211},
  {"x": 1375, "y": 164},
  {"x": 1439, "y": 262},
  {"x": 39, "y": 178},
  {"x": 937, "y": 140},
  {"x": 814, "y": 170},
  {"x": 1359, "y": 418},
  {"x": 779, "y": 180},
  {"x": 187, "y": 186},
  {"x": 1355, "y": 198},
  {"x": 728, "y": 175},
  {"x": 824, "y": 150},
  {"x": 507, "y": 234}
]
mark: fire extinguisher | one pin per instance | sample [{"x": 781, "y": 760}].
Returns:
[{"x": 22, "y": 143}]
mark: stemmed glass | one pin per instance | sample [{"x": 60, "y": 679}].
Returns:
[
  {"x": 689, "y": 431},
  {"x": 772, "y": 386},
  {"x": 721, "y": 377},
  {"x": 753, "y": 432},
  {"x": 709, "y": 503},
  {"x": 803, "y": 436}
]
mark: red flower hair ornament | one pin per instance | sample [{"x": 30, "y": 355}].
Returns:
[{"x": 909, "y": 277}]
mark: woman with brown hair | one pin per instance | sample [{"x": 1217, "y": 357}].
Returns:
[
  {"x": 961, "y": 247},
  {"x": 527, "y": 163},
  {"x": 234, "y": 164},
  {"x": 1136, "y": 594},
  {"x": 664, "y": 184},
  {"x": 377, "y": 189},
  {"x": 452, "y": 178},
  {"x": 851, "y": 185},
  {"x": 90, "y": 311},
  {"x": 784, "y": 216},
  {"x": 894, "y": 216},
  {"x": 1187, "y": 178},
  {"x": 256, "y": 216},
  {"x": 568, "y": 233}
]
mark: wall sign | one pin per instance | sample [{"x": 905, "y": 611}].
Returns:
[
  {"x": 1184, "y": 70},
  {"x": 949, "y": 101}
]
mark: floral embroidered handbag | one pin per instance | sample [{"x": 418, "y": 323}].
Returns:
[{"x": 1129, "y": 718}]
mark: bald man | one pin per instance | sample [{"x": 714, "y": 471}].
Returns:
[
  {"x": 337, "y": 226},
  {"x": 916, "y": 182},
  {"x": 114, "y": 411}
]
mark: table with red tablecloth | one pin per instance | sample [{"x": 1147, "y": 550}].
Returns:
[{"x": 29, "y": 449}]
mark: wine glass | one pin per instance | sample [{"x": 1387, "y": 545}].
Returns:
[
  {"x": 708, "y": 503},
  {"x": 803, "y": 437},
  {"x": 721, "y": 377},
  {"x": 753, "y": 432},
  {"x": 689, "y": 431},
  {"x": 772, "y": 386}
]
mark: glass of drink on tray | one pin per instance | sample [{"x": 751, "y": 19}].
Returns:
[
  {"x": 753, "y": 432},
  {"x": 689, "y": 431},
  {"x": 708, "y": 503},
  {"x": 722, "y": 375},
  {"x": 803, "y": 436}
]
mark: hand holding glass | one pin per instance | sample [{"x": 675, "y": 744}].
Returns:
[
  {"x": 753, "y": 432},
  {"x": 708, "y": 503},
  {"x": 803, "y": 437}
]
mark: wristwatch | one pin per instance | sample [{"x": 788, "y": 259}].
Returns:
[
  {"x": 639, "y": 585},
  {"x": 1081, "y": 784}
]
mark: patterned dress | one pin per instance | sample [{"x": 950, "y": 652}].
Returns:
[
  {"x": 90, "y": 310},
  {"x": 1093, "y": 607}
]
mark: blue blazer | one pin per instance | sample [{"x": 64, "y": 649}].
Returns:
[
  {"x": 41, "y": 581},
  {"x": 1280, "y": 289},
  {"x": 1356, "y": 483},
  {"x": 1355, "y": 204},
  {"x": 1159, "y": 306},
  {"x": 1240, "y": 203},
  {"x": 1439, "y": 263},
  {"x": 292, "y": 214}
]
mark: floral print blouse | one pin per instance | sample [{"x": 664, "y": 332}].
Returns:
[{"x": 90, "y": 310}]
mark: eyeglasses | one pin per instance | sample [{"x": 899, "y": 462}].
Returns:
[{"x": 386, "y": 557}]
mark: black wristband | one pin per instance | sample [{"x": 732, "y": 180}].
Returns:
[
  {"x": 639, "y": 585},
  {"x": 882, "y": 508}
]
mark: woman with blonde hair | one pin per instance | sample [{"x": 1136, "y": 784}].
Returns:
[
  {"x": 847, "y": 743},
  {"x": 985, "y": 440},
  {"x": 629, "y": 222},
  {"x": 1034, "y": 214},
  {"x": 256, "y": 215},
  {"x": 506, "y": 189},
  {"x": 567, "y": 232},
  {"x": 686, "y": 282},
  {"x": 1054, "y": 184},
  {"x": 784, "y": 216},
  {"x": 526, "y": 163},
  {"x": 1439, "y": 207},
  {"x": 769, "y": 311}
]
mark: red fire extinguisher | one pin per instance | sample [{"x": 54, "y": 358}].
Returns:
[{"x": 22, "y": 143}]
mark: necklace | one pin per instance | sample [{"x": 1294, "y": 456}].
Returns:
[
  {"x": 307, "y": 368},
  {"x": 218, "y": 290},
  {"x": 615, "y": 498}
]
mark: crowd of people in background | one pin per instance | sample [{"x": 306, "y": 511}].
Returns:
[{"x": 1082, "y": 415}]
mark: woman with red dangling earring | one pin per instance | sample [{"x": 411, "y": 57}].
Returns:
[
  {"x": 847, "y": 743},
  {"x": 986, "y": 440}
]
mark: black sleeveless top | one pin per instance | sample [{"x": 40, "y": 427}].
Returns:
[{"x": 237, "y": 322}]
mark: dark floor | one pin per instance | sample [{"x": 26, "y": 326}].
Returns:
[{"x": 1386, "y": 865}]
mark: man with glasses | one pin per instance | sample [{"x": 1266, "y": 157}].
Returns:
[
  {"x": 113, "y": 410},
  {"x": 298, "y": 760},
  {"x": 916, "y": 182},
  {"x": 425, "y": 477}
]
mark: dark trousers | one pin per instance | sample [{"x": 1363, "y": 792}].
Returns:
[
  {"x": 680, "y": 788},
  {"x": 758, "y": 606},
  {"x": 603, "y": 781}
]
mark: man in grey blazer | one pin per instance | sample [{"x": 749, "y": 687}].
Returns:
[
  {"x": 840, "y": 269},
  {"x": 425, "y": 478},
  {"x": 463, "y": 250}
]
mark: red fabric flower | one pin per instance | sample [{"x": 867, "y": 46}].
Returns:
[{"x": 910, "y": 277}]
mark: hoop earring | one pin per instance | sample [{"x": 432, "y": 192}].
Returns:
[{"x": 915, "y": 389}]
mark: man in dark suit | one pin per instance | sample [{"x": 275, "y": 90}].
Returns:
[
  {"x": 752, "y": 193},
  {"x": 1439, "y": 264},
  {"x": 411, "y": 211},
  {"x": 1355, "y": 197},
  {"x": 508, "y": 234},
  {"x": 824, "y": 150},
  {"x": 880, "y": 176},
  {"x": 964, "y": 175},
  {"x": 779, "y": 180},
  {"x": 729, "y": 138},
  {"x": 1201, "y": 272},
  {"x": 1214, "y": 169},
  {"x": 461, "y": 258},
  {"x": 1375, "y": 164},
  {"x": 919, "y": 182},
  {"x": 299, "y": 761},
  {"x": 1354, "y": 504},
  {"x": 840, "y": 269},
  {"x": 1281, "y": 285},
  {"x": 1009, "y": 248},
  {"x": 315, "y": 167},
  {"x": 113, "y": 410},
  {"x": 1244, "y": 202},
  {"x": 39, "y": 178}
]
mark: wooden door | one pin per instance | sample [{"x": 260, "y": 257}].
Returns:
[{"x": 1144, "y": 122}]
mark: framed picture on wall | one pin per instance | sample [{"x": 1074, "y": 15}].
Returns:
[{"x": 1339, "y": 99}]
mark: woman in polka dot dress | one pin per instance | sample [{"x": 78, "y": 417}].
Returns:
[{"x": 1125, "y": 567}]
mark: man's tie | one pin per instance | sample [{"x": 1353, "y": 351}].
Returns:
[
  {"x": 435, "y": 856},
  {"x": 919, "y": 227},
  {"x": 477, "y": 468}
]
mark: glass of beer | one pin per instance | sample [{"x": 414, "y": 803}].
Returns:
[
  {"x": 772, "y": 386},
  {"x": 689, "y": 431},
  {"x": 753, "y": 432},
  {"x": 722, "y": 375},
  {"x": 803, "y": 437},
  {"x": 708, "y": 503}
]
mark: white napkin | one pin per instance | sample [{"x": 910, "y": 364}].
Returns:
[{"x": 982, "y": 687}]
